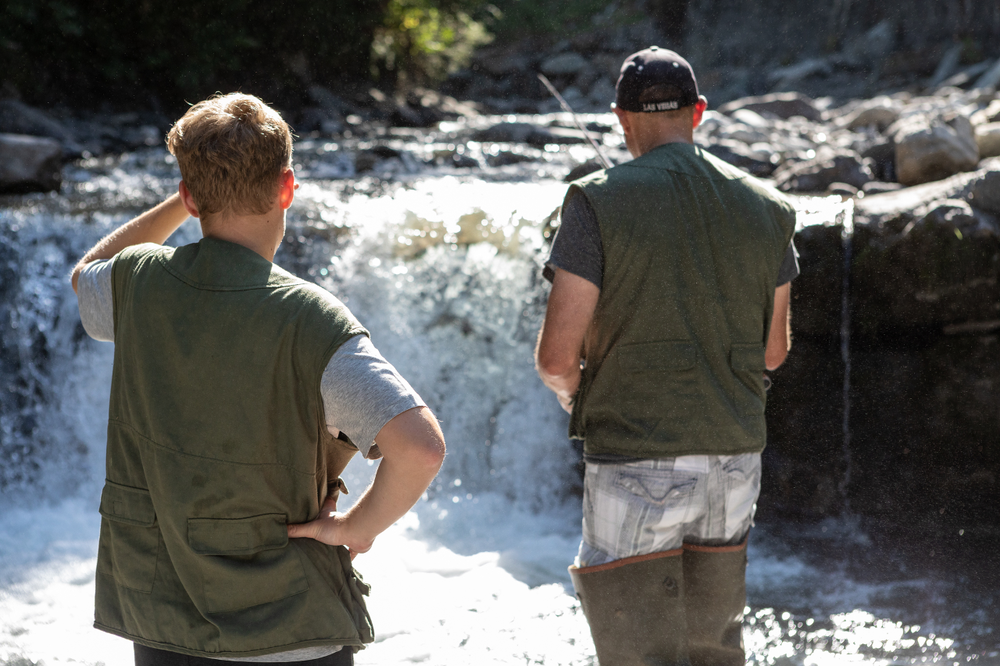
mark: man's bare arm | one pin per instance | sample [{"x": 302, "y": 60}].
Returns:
[
  {"x": 560, "y": 343},
  {"x": 779, "y": 340},
  {"x": 153, "y": 226},
  {"x": 412, "y": 449}
]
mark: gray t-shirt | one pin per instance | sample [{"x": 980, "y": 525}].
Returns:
[
  {"x": 577, "y": 247},
  {"x": 361, "y": 393}
]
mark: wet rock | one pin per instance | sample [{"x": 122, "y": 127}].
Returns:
[
  {"x": 924, "y": 321},
  {"x": 528, "y": 133},
  {"x": 506, "y": 133},
  {"x": 782, "y": 105},
  {"x": 988, "y": 139},
  {"x": 883, "y": 160},
  {"x": 463, "y": 161},
  {"x": 29, "y": 163},
  {"x": 508, "y": 157},
  {"x": 581, "y": 170},
  {"x": 751, "y": 118},
  {"x": 880, "y": 112},
  {"x": 564, "y": 64},
  {"x": 936, "y": 266},
  {"x": 745, "y": 133},
  {"x": 816, "y": 175},
  {"x": 932, "y": 148},
  {"x": 976, "y": 187},
  {"x": 19, "y": 118},
  {"x": 877, "y": 187},
  {"x": 984, "y": 191},
  {"x": 740, "y": 155},
  {"x": 929, "y": 460},
  {"x": 991, "y": 114},
  {"x": 843, "y": 189}
]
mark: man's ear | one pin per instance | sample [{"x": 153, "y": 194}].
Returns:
[
  {"x": 286, "y": 188},
  {"x": 623, "y": 119},
  {"x": 189, "y": 205},
  {"x": 699, "y": 111}
]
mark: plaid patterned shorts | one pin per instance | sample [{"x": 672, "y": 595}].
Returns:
[{"x": 650, "y": 506}]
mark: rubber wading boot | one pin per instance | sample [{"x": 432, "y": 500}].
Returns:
[
  {"x": 715, "y": 596},
  {"x": 635, "y": 608}
]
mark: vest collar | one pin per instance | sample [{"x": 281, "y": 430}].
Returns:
[{"x": 220, "y": 264}]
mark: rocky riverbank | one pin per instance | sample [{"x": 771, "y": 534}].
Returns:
[{"x": 889, "y": 405}]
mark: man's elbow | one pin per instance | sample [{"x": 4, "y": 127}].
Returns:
[
  {"x": 773, "y": 358},
  {"x": 552, "y": 365},
  {"x": 429, "y": 453}
]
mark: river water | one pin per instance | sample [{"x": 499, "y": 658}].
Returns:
[{"x": 442, "y": 264}]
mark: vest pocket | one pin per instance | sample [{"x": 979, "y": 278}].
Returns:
[
  {"x": 747, "y": 363},
  {"x": 245, "y": 562},
  {"x": 130, "y": 539}
]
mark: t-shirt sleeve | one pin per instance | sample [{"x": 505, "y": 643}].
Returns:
[
  {"x": 577, "y": 246},
  {"x": 93, "y": 295},
  {"x": 362, "y": 392},
  {"x": 789, "y": 265}
]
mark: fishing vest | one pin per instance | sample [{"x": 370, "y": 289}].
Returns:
[
  {"x": 216, "y": 442},
  {"x": 674, "y": 356}
]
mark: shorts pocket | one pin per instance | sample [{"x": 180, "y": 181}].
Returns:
[
  {"x": 245, "y": 562},
  {"x": 656, "y": 486},
  {"x": 742, "y": 477},
  {"x": 130, "y": 538}
]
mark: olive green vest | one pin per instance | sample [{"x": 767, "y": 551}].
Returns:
[
  {"x": 216, "y": 441},
  {"x": 675, "y": 351}
]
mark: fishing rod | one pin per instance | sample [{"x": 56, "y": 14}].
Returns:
[{"x": 562, "y": 102}]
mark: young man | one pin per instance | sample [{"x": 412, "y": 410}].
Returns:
[
  {"x": 239, "y": 393},
  {"x": 667, "y": 272}
]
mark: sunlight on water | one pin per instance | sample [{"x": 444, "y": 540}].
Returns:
[{"x": 445, "y": 272}]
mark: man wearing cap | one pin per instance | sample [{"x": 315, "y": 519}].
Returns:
[{"x": 667, "y": 273}]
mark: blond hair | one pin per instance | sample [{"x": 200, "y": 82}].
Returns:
[{"x": 231, "y": 150}]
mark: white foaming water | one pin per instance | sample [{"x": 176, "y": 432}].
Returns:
[{"x": 445, "y": 274}]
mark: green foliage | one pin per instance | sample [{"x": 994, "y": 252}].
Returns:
[{"x": 425, "y": 40}]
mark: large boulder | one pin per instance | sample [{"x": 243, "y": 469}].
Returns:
[
  {"x": 29, "y": 163},
  {"x": 988, "y": 139},
  {"x": 528, "y": 133},
  {"x": 782, "y": 105},
  {"x": 19, "y": 118},
  {"x": 918, "y": 446},
  {"x": 880, "y": 112},
  {"x": 816, "y": 175},
  {"x": 740, "y": 155},
  {"x": 933, "y": 147}
]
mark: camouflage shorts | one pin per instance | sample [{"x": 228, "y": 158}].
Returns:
[{"x": 650, "y": 506}]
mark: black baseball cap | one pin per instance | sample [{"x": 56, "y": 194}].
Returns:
[{"x": 655, "y": 79}]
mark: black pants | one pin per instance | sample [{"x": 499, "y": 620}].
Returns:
[{"x": 147, "y": 656}]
